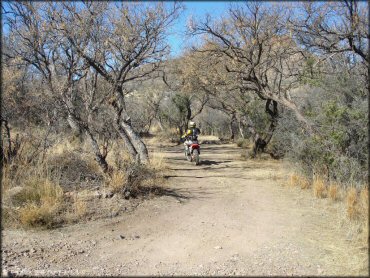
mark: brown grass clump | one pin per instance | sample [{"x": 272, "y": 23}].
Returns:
[
  {"x": 117, "y": 181},
  {"x": 77, "y": 209},
  {"x": 33, "y": 215},
  {"x": 243, "y": 143},
  {"x": 351, "y": 200},
  {"x": 132, "y": 179},
  {"x": 158, "y": 163},
  {"x": 294, "y": 180},
  {"x": 333, "y": 191},
  {"x": 364, "y": 202},
  {"x": 298, "y": 180},
  {"x": 40, "y": 202},
  {"x": 304, "y": 182},
  {"x": 319, "y": 188}
]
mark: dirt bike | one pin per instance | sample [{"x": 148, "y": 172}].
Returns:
[{"x": 192, "y": 152}]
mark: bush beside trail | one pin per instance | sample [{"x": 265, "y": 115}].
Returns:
[{"x": 67, "y": 187}]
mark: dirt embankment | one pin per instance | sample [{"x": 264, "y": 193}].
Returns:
[{"x": 224, "y": 217}]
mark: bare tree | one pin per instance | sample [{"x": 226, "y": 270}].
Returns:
[
  {"x": 122, "y": 42},
  {"x": 259, "y": 51},
  {"x": 188, "y": 98},
  {"x": 208, "y": 74},
  {"x": 333, "y": 27},
  {"x": 35, "y": 45},
  {"x": 61, "y": 68}
]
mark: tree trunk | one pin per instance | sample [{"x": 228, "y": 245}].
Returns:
[
  {"x": 121, "y": 131},
  {"x": 273, "y": 112},
  {"x": 136, "y": 141},
  {"x": 159, "y": 121},
  {"x": 98, "y": 155},
  {"x": 134, "y": 144},
  {"x": 259, "y": 143},
  {"x": 241, "y": 129},
  {"x": 69, "y": 100},
  {"x": 74, "y": 126},
  {"x": 232, "y": 128},
  {"x": 180, "y": 130}
]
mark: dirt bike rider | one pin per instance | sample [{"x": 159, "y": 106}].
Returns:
[{"x": 190, "y": 136}]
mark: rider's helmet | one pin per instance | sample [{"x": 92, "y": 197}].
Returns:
[{"x": 192, "y": 124}]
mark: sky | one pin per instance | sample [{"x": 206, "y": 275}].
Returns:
[{"x": 197, "y": 9}]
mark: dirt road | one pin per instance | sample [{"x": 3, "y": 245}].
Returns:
[{"x": 224, "y": 217}]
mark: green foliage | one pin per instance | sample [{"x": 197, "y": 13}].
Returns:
[
  {"x": 339, "y": 111},
  {"x": 311, "y": 74}
]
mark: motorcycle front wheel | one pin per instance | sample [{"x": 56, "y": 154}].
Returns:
[{"x": 196, "y": 156}]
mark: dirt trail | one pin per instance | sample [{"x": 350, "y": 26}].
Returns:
[{"x": 225, "y": 217}]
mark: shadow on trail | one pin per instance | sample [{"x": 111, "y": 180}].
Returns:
[
  {"x": 195, "y": 177},
  {"x": 211, "y": 162},
  {"x": 179, "y": 194}
]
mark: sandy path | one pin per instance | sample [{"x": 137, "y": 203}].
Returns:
[{"x": 228, "y": 217}]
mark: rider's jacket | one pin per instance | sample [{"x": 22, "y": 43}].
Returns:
[{"x": 192, "y": 134}]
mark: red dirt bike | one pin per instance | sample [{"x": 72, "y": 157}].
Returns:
[{"x": 192, "y": 151}]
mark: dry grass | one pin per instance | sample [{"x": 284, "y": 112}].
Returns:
[
  {"x": 165, "y": 136},
  {"x": 333, "y": 192},
  {"x": 117, "y": 181},
  {"x": 293, "y": 180},
  {"x": 33, "y": 215},
  {"x": 298, "y": 180},
  {"x": 243, "y": 143},
  {"x": 77, "y": 209},
  {"x": 351, "y": 202},
  {"x": 158, "y": 162},
  {"x": 319, "y": 188},
  {"x": 40, "y": 201},
  {"x": 33, "y": 191},
  {"x": 6, "y": 182},
  {"x": 130, "y": 178},
  {"x": 304, "y": 183},
  {"x": 117, "y": 157},
  {"x": 357, "y": 203},
  {"x": 364, "y": 202}
]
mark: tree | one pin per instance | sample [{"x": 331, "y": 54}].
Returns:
[
  {"x": 37, "y": 44},
  {"x": 333, "y": 27},
  {"x": 208, "y": 74},
  {"x": 123, "y": 42},
  {"x": 259, "y": 52},
  {"x": 188, "y": 98}
]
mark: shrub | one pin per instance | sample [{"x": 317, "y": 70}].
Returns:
[
  {"x": 71, "y": 167},
  {"x": 337, "y": 107}
]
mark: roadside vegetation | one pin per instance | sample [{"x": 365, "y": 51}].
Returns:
[{"x": 87, "y": 85}]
